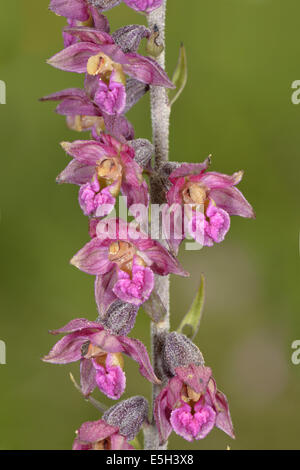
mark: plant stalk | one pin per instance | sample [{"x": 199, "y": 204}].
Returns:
[{"x": 160, "y": 116}]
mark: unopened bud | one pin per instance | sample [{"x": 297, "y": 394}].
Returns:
[
  {"x": 128, "y": 415},
  {"x": 119, "y": 318},
  {"x": 179, "y": 351}
]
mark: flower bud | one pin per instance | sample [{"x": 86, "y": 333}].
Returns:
[
  {"x": 179, "y": 351},
  {"x": 119, "y": 318},
  {"x": 129, "y": 37},
  {"x": 128, "y": 415},
  {"x": 143, "y": 152}
]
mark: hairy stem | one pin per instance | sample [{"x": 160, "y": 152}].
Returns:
[{"x": 160, "y": 115}]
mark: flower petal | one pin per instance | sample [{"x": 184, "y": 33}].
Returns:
[
  {"x": 94, "y": 431},
  {"x": 68, "y": 349},
  {"x": 73, "y": 9},
  {"x": 118, "y": 442},
  {"x": 146, "y": 70},
  {"x": 137, "y": 351},
  {"x": 78, "y": 324},
  {"x": 76, "y": 173},
  {"x": 187, "y": 169},
  {"x": 91, "y": 35},
  {"x": 89, "y": 152},
  {"x": 137, "y": 288},
  {"x": 93, "y": 258},
  {"x": 75, "y": 57},
  {"x": 196, "y": 377},
  {"x": 104, "y": 293},
  {"x": 213, "y": 180},
  {"x": 162, "y": 410},
  {"x": 232, "y": 201},
  {"x": 163, "y": 263},
  {"x": 111, "y": 379},
  {"x": 87, "y": 377}
]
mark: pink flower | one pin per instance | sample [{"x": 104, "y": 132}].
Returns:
[
  {"x": 103, "y": 169},
  {"x": 124, "y": 260},
  {"x": 191, "y": 405},
  {"x": 208, "y": 200},
  {"x": 98, "y": 55},
  {"x": 118, "y": 426},
  {"x": 100, "y": 356},
  {"x": 83, "y": 114}
]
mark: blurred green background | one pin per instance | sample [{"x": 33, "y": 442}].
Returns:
[{"x": 243, "y": 56}]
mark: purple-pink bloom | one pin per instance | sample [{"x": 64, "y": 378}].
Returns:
[
  {"x": 99, "y": 435},
  {"x": 100, "y": 57},
  {"x": 124, "y": 260},
  {"x": 84, "y": 115},
  {"x": 103, "y": 169},
  {"x": 100, "y": 356},
  {"x": 191, "y": 406},
  {"x": 208, "y": 199}
]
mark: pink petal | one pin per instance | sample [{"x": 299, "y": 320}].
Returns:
[
  {"x": 76, "y": 173},
  {"x": 78, "y": 324},
  {"x": 136, "y": 289},
  {"x": 88, "y": 152},
  {"x": 146, "y": 70},
  {"x": 104, "y": 294},
  {"x": 187, "y": 169},
  {"x": 196, "y": 377},
  {"x": 111, "y": 98},
  {"x": 75, "y": 57},
  {"x": 119, "y": 442},
  {"x": 68, "y": 349},
  {"x": 232, "y": 201},
  {"x": 94, "y": 431},
  {"x": 93, "y": 258},
  {"x": 193, "y": 426},
  {"x": 110, "y": 379},
  {"x": 92, "y": 35},
  {"x": 87, "y": 376},
  {"x": 73, "y": 9},
  {"x": 137, "y": 351}
]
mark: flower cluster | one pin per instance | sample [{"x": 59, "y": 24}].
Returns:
[{"x": 126, "y": 262}]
